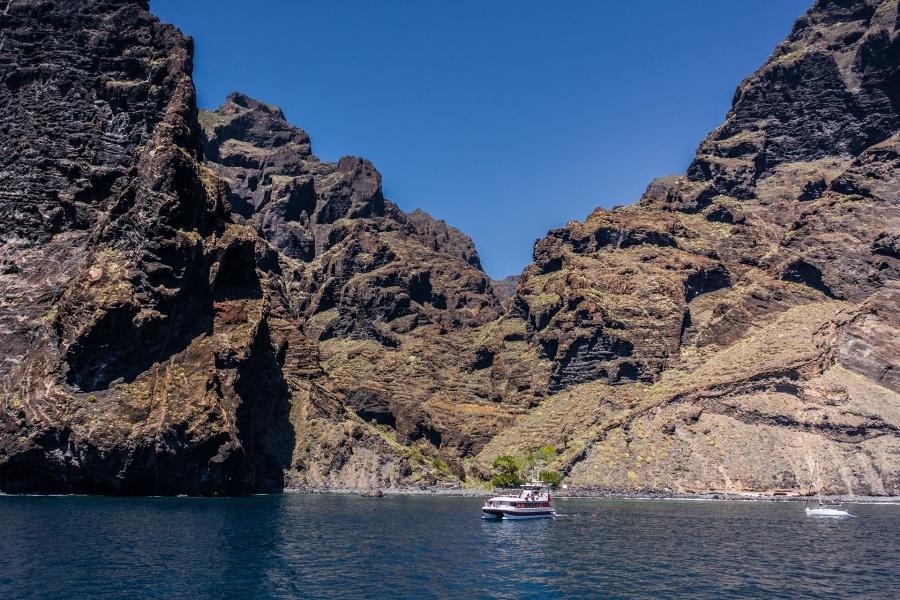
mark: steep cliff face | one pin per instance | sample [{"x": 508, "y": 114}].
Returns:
[
  {"x": 132, "y": 309},
  {"x": 237, "y": 322},
  {"x": 714, "y": 335},
  {"x": 396, "y": 300},
  {"x": 353, "y": 261},
  {"x": 194, "y": 303}
]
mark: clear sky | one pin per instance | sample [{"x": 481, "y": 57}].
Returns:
[{"x": 505, "y": 119}]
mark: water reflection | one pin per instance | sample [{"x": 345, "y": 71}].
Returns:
[{"x": 346, "y": 546}]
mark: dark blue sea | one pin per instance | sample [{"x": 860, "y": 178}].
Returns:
[{"x": 297, "y": 546}]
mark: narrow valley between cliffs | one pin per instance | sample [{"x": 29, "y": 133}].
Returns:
[{"x": 192, "y": 302}]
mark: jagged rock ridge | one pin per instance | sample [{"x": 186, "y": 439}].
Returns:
[
  {"x": 737, "y": 326},
  {"x": 194, "y": 303},
  {"x": 355, "y": 260}
]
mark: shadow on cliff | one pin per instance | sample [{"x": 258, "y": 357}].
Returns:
[
  {"x": 263, "y": 416},
  {"x": 249, "y": 458},
  {"x": 120, "y": 347}
]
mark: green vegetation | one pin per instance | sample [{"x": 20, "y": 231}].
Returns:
[
  {"x": 432, "y": 467},
  {"x": 510, "y": 471},
  {"x": 506, "y": 472},
  {"x": 550, "y": 477},
  {"x": 441, "y": 466},
  {"x": 416, "y": 455},
  {"x": 537, "y": 458}
]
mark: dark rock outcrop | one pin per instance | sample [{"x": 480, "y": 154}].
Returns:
[
  {"x": 166, "y": 275},
  {"x": 349, "y": 254}
]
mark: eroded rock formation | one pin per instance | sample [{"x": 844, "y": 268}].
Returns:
[
  {"x": 701, "y": 338},
  {"x": 194, "y": 303},
  {"x": 133, "y": 312}
]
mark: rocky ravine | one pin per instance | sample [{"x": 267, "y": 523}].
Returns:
[{"x": 194, "y": 303}]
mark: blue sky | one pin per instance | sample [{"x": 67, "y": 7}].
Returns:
[{"x": 505, "y": 119}]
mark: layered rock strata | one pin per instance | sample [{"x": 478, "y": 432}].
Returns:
[{"x": 192, "y": 302}]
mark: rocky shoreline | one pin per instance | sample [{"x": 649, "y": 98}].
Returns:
[
  {"x": 581, "y": 494},
  {"x": 605, "y": 495}
]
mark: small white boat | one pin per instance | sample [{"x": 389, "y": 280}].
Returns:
[
  {"x": 533, "y": 502},
  {"x": 827, "y": 511}
]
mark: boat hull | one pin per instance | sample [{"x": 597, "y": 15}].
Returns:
[
  {"x": 511, "y": 515},
  {"x": 827, "y": 512}
]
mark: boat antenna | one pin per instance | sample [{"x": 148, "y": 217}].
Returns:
[{"x": 819, "y": 482}]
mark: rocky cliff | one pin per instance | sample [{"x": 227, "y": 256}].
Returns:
[
  {"x": 192, "y": 302},
  {"x": 133, "y": 315},
  {"x": 738, "y": 325}
]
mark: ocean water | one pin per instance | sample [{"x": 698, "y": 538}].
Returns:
[{"x": 297, "y": 546}]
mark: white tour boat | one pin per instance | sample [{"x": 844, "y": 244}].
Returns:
[{"x": 533, "y": 502}]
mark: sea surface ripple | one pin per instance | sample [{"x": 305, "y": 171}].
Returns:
[{"x": 340, "y": 546}]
